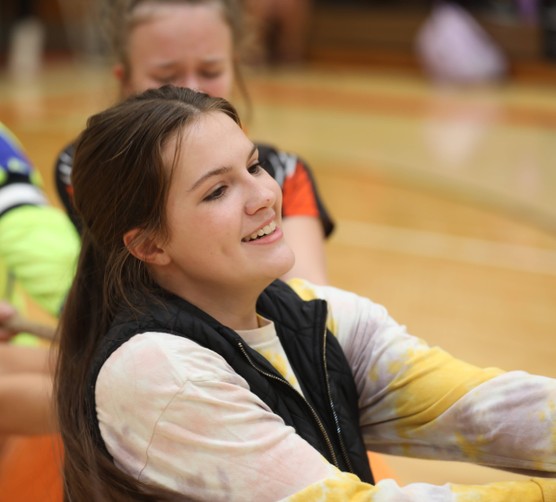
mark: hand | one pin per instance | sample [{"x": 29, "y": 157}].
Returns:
[{"x": 7, "y": 312}]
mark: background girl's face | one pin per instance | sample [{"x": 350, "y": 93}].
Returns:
[{"x": 185, "y": 45}]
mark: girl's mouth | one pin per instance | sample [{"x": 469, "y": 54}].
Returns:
[{"x": 266, "y": 230}]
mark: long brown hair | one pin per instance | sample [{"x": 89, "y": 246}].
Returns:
[{"x": 120, "y": 183}]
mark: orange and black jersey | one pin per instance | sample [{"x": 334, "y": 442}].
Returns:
[{"x": 299, "y": 189}]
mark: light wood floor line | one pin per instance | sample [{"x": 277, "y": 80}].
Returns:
[{"x": 446, "y": 247}]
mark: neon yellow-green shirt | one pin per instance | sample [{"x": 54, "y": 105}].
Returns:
[{"x": 38, "y": 244}]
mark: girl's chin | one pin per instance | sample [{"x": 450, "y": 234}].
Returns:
[
  {"x": 287, "y": 266},
  {"x": 280, "y": 267}
]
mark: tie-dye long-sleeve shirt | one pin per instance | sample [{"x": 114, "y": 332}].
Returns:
[{"x": 176, "y": 414}]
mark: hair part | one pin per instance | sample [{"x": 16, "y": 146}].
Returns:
[{"x": 121, "y": 182}]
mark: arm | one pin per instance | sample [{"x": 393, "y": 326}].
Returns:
[
  {"x": 12, "y": 323},
  {"x": 7, "y": 312},
  {"x": 26, "y": 390},
  {"x": 202, "y": 433},
  {"x": 306, "y": 221},
  {"x": 40, "y": 246},
  {"x": 419, "y": 401},
  {"x": 26, "y": 404},
  {"x": 18, "y": 359},
  {"x": 304, "y": 236},
  {"x": 347, "y": 488},
  {"x": 37, "y": 243}
]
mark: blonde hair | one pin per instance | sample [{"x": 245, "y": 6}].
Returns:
[{"x": 120, "y": 17}]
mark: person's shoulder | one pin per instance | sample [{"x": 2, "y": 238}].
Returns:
[
  {"x": 20, "y": 182},
  {"x": 9, "y": 138},
  {"x": 185, "y": 359},
  {"x": 266, "y": 149},
  {"x": 12, "y": 156},
  {"x": 280, "y": 164},
  {"x": 65, "y": 157},
  {"x": 273, "y": 153}
]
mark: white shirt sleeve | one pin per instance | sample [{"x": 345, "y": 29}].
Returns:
[{"x": 176, "y": 414}]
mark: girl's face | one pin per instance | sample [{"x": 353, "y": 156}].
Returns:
[
  {"x": 223, "y": 217},
  {"x": 185, "y": 45}
]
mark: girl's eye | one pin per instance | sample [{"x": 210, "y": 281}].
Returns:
[
  {"x": 215, "y": 194},
  {"x": 211, "y": 75},
  {"x": 165, "y": 80},
  {"x": 255, "y": 168}
]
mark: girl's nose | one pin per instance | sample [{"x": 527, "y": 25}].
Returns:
[
  {"x": 262, "y": 196},
  {"x": 190, "y": 81}
]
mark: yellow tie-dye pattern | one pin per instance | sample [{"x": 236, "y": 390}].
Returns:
[
  {"x": 548, "y": 488},
  {"x": 331, "y": 325},
  {"x": 552, "y": 408},
  {"x": 498, "y": 492},
  {"x": 373, "y": 374},
  {"x": 307, "y": 293},
  {"x": 302, "y": 289},
  {"x": 472, "y": 447},
  {"x": 543, "y": 416},
  {"x": 343, "y": 487},
  {"x": 395, "y": 367},
  {"x": 417, "y": 375},
  {"x": 281, "y": 364}
]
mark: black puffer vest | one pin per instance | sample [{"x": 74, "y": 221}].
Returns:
[{"x": 327, "y": 417}]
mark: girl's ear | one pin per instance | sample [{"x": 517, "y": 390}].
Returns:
[
  {"x": 145, "y": 249},
  {"x": 121, "y": 76},
  {"x": 118, "y": 71}
]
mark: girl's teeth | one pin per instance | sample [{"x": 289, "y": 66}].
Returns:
[{"x": 267, "y": 229}]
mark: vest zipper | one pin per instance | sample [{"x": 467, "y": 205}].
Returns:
[
  {"x": 332, "y": 407},
  {"x": 313, "y": 412}
]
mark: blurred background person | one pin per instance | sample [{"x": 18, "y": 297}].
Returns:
[{"x": 282, "y": 29}]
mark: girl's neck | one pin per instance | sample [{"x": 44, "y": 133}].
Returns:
[{"x": 233, "y": 309}]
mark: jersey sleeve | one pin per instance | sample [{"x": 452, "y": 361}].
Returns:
[
  {"x": 300, "y": 195},
  {"x": 62, "y": 178}
]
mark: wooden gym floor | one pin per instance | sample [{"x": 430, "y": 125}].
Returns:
[{"x": 444, "y": 199}]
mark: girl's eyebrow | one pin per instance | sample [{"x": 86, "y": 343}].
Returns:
[
  {"x": 218, "y": 171},
  {"x": 215, "y": 172},
  {"x": 171, "y": 64}
]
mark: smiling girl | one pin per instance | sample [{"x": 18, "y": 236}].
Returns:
[{"x": 187, "y": 371}]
